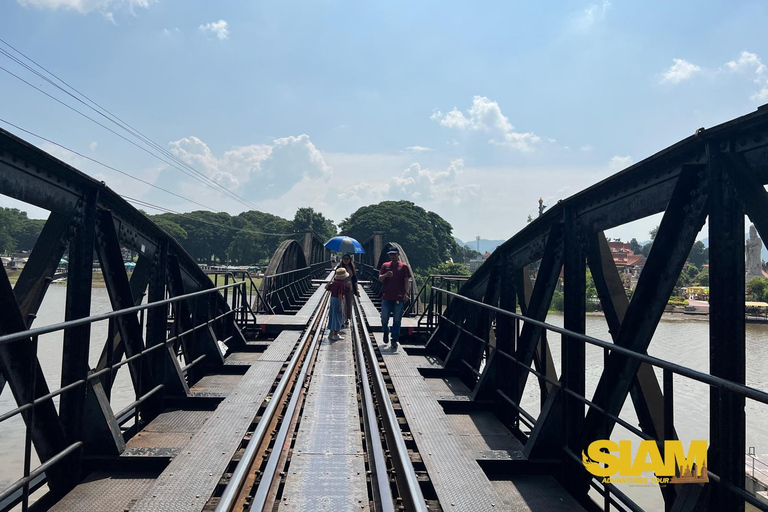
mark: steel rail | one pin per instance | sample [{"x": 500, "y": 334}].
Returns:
[
  {"x": 236, "y": 481},
  {"x": 259, "y": 501},
  {"x": 376, "y": 458},
  {"x": 408, "y": 483}
]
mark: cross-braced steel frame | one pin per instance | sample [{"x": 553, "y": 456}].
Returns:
[
  {"x": 87, "y": 218},
  {"x": 717, "y": 174}
]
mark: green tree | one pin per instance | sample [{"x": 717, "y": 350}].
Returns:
[
  {"x": 177, "y": 232},
  {"x": 654, "y": 232},
  {"x": 10, "y": 222},
  {"x": 449, "y": 269},
  {"x": 635, "y": 246},
  {"x": 758, "y": 287},
  {"x": 208, "y": 234},
  {"x": 425, "y": 238},
  {"x": 308, "y": 219},
  {"x": 702, "y": 279},
  {"x": 28, "y": 233},
  {"x": 464, "y": 254},
  {"x": 692, "y": 272},
  {"x": 699, "y": 254}
]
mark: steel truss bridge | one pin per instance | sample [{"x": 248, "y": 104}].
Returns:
[{"x": 239, "y": 401}]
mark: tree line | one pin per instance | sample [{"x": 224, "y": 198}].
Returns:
[{"x": 250, "y": 238}]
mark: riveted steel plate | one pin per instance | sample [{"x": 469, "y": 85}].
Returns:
[
  {"x": 282, "y": 346},
  {"x": 327, "y": 468},
  {"x": 103, "y": 492},
  {"x": 190, "y": 479},
  {"x": 447, "y": 386},
  {"x": 481, "y": 431},
  {"x": 537, "y": 493},
  {"x": 237, "y": 358},
  {"x": 178, "y": 421},
  {"x": 215, "y": 385},
  {"x": 164, "y": 444},
  {"x": 458, "y": 480}
]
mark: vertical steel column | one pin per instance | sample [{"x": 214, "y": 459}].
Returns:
[
  {"x": 726, "y": 330},
  {"x": 74, "y": 364},
  {"x": 573, "y": 350}
]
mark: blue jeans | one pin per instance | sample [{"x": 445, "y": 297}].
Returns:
[{"x": 396, "y": 309}]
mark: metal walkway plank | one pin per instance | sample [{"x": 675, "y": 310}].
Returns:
[
  {"x": 459, "y": 481},
  {"x": 190, "y": 479},
  {"x": 327, "y": 469}
]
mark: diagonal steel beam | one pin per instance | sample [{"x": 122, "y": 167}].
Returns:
[
  {"x": 121, "y": 297},
  {"x": 681, "y": 223},
  {"x": 541, "y": 297},
  {"x": 34, "y": 279},
  {"x": 18, "y": 362}
]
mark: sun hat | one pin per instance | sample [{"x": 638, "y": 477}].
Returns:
[
  {"x": 393, "y": 250},
  {"x": 341, "y": 274}
]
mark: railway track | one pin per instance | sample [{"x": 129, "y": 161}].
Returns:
[{"x": 329, "y": 436}]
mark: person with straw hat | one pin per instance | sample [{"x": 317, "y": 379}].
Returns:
[{"x": 339, "y": 287}]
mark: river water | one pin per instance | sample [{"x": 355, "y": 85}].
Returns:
[{"x": 678, "y": 339}]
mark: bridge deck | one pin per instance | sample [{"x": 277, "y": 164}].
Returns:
[
  {"x": 182, "y": 454},
  {"x": 327, "y": 469},
  {"x": 452, "y": 444}
]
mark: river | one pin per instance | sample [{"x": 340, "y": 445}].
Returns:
[{"x": 677, "y": 339}]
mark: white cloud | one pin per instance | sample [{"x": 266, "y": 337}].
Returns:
[
  {"x": 418, "y": 149},
  {"x": 486, "y": 116},
  {"x": 586, "y": 148},
  {"x": 618, "y": 163},
  {"x": 750, "y": 62},
  {"x": 257, "y": 169},
  {"x": 171, "y": 31},
  {"x": 218, "y": 28},
  {"x": 86, "y": 6},
  {"x": 593, "y": 14},
  {"x": 93, "y": 145},
  {"x": 680, "y": 70}
]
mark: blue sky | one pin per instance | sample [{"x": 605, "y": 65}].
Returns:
[{"x": 472, "y": 110}]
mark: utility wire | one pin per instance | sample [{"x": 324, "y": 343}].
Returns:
[
  {"x": 144, "y": 203},
  {"x": 114, "y": 119},
  {"x": 105, "y": 165}
]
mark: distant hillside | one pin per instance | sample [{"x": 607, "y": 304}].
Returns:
[{"x": 485, "y": 245}]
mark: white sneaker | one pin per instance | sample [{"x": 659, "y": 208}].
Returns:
[{"x": 338, "y": 337}]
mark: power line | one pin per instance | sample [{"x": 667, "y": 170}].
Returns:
[
  {"x": 105, "y": 165},
  {"x": 145, "y": 203},
  {"x": 116, "y": 120}
]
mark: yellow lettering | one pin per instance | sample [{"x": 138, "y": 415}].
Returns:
[
  {"x": 647, "y": 448},
  {"x": 625, "y": 458},
  {"x": 598, "y": 456},
  {"x": 674, "y": 456}
]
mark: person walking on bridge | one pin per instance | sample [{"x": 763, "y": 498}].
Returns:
[
  {"x": 349, "y": 265},
  {"x": 396, "y": 276},
  {"x": 338, "y": 288}
]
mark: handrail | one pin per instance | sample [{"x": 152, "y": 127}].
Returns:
[
  {"x": 749, "y": 392},
  {"x": 10, "y": 496}
]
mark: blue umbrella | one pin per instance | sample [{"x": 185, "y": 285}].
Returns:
[{"x": 344, "y": 244}]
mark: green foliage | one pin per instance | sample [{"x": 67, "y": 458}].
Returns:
[
  {"x": 702, "y": 279},
  {"x": 172, "y": 228},
  {"x": 692, "y": 272},
  {"x": 635, "y": 246},
  {"x": 424, "y": 236},
  {"x": 558, "y": 301},
  {"x": 677, "y": 301},
  {"x": 699, "y": 254},
  {"x": 449, "y": 269},
  {"x": 307, "y": 219},
  {"x": 757, "y": 288},
  {"x": 591, "y": 288},
  {"x": 17, "y": 232},
  {"x": 464, "y": 254},
  {"x": 647, "y": 249},
  {"x": 654, "y": 232}
]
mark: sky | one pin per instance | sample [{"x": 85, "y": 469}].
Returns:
[{"x": 473, "y": 110}]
